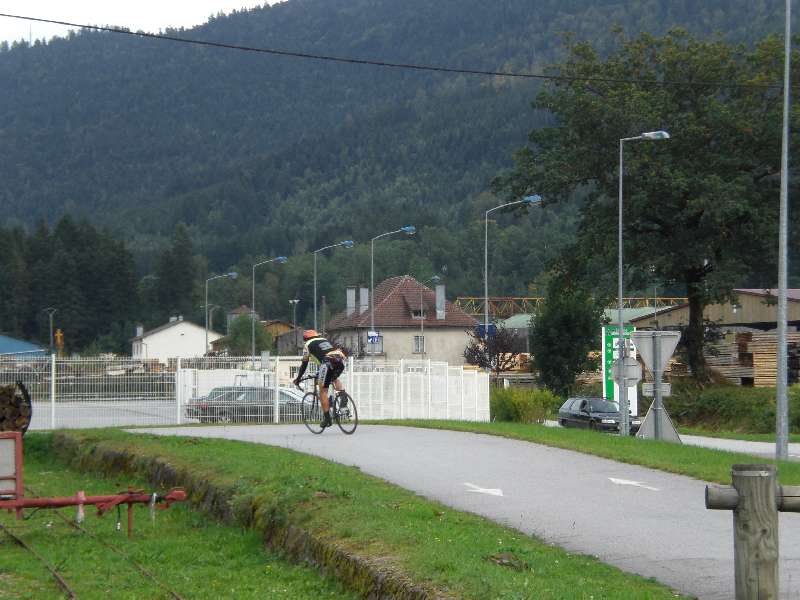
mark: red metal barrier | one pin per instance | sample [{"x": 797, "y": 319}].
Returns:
[{"x": 14, "y": 498}]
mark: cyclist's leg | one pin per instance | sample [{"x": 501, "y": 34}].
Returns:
[
  {"x": 322, "y": 376},
  {"x": 336, "y": 370}
]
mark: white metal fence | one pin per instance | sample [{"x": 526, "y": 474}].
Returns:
[{"x": 106, "y": 392}]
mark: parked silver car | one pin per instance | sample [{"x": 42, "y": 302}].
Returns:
[{"x": 231, "y": 404}]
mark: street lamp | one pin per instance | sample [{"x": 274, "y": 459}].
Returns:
[
  {"x": 50, "y": 312},
  {"x": 294, "y": 303},
  {"x": 346, "y": 244},
  {"x": 231, "y": 275},
  {"x": 528, "y": 201},
  {"x": 280, "y": 260},
  {"x": 624, "y": 425},
  {"x": 781, "y": 398},
  {"x": 408, "y": 230}
]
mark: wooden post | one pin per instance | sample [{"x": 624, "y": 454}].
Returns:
[
  {"x": 755, "y": 532},
  {"x": 755, "y": 499}
]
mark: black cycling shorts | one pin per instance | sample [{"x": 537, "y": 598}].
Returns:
[{"x": 329, "y": 370}]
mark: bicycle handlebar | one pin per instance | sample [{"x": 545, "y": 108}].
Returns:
[{"x": 306, "y": 378}]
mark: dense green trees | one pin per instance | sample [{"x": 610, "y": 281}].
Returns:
[
  {"x": 566, "y": 330},
  {"x": 701, "y": 208},
  {"x": 203, "y": 159},
  {"x": 87, "y": 275}
]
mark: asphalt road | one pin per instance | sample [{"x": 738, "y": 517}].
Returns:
[{"x": 640, "y": 520}]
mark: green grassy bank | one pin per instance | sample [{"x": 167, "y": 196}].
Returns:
[
  {"x": 187, "y": 552},
  {"x": 285, "y": 495}
]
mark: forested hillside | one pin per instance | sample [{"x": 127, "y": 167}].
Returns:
[{"x": 260, "y": 154}]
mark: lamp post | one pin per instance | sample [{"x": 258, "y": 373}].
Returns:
[
  {"x": 294, "y": 303},
  {"x": 434, "y": 280},
  {"x": 527, "y": 200},
  {"x": 624, "y": 425},
  {"x": 781, "y": 399},
  {"x": 231, "y": 275},
  {"x": 50, "y": 312},
  {"x": 280, "y": 260},
  {"x": 346, "y": 244},
  {"x": 408, "y": 230}
]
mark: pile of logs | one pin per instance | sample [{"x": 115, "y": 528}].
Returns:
[
  {"x": 15, "y": 408},
  {"x": 752, "y": 358}
]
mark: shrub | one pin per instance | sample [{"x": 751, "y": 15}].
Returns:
[
  {"x": 731, "y": 407},
  {"x": 523, "y": 405}
]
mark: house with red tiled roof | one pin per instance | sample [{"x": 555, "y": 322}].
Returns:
[{"x": 412, "y": 321}]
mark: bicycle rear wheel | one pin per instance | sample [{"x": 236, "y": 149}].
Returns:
[
  {"x": 347, "y": 417},
  {"x": 312, "y": 413}
]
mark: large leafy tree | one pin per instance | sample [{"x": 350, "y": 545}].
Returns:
[
  {"x": 700, "y": 208},
  {"x": 567, "y": 328}
]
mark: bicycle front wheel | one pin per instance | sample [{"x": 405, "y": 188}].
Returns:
[
  {"x": 347, "y": 417},
  {"x": 312, "y": 413}
]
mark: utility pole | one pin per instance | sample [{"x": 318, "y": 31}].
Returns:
[
  {"x": 50, "y": 312},
  {"x": 781, "y": 399}
]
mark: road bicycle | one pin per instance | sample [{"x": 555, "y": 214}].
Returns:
[{"x": 343, "y": 409}]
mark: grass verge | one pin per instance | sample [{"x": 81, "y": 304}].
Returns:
[
  {"x": 285, "y": 495},
  {"x": 701, "y": 463},
  {"x": 185, "y": 550}
]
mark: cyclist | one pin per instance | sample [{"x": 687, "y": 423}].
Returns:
[{"x": 331, "y": 365}]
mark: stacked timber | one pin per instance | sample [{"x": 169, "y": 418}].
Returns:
[
  {"x": 764, "y": 348},
  {"x": 15, "y": 408},
  {"x": 731, "y": 359}
]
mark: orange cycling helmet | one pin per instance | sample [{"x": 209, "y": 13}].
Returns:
[{"x": 310, "y": 333}]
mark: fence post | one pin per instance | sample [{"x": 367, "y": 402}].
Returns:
[
  {"x": 755, "y": 499},
  {"x": 277, "y": 411},
  {"x": 447, "y": 391},
  {"x": 351, "y": 381},
  {"x": 462, "y": 392},
  {"x": 383, "y": 389},
  {"x": 430, "y": 388},
  {"x": 178, "y": 390},
  {"x": 52, "y": 391},
  {"x": 402, "y": 390}
]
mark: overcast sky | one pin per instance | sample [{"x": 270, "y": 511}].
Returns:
[{"x": 148, "y": 15}]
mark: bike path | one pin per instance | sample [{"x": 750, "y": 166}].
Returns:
[{"x": 641, "y": 520}]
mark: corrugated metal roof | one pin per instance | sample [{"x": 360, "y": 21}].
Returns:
[
  {"x": 9, "y": 345},
  {"x": 521, "y": 321},
  {"x": 629, "y": 314},
  {"x": 791, "y": 294}
]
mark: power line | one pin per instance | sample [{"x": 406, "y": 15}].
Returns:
[{"x": 397, "y": 65}]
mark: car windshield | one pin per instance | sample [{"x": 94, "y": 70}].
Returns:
[{"x": 602, "y": 406}]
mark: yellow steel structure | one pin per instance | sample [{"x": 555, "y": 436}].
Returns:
[{"x": 506, "y": 306}]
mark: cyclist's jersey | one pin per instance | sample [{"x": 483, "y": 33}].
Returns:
[{"x": 320, "y": 349}]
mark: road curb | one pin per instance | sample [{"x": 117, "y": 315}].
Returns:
[{"x": 370, "y": 578}]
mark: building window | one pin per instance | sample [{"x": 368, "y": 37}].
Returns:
[
  {"x": 376, "y": 345},
  {"x": 418, "y": 314},
  {"x": 419, "y": 344}
]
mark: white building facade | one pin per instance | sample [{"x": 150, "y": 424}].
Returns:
[
  {"x": 411, "y": 321},
  {"x": 176, "y": 338}
]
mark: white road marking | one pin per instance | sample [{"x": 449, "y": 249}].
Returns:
[
  {"x": 634, "y": 483},
  {"x": 480, "y": 490}
]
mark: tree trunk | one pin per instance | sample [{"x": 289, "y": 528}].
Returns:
[{"x": 695, "y": 332}]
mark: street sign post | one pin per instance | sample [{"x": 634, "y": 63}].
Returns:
[
  {"x": 648, "y": 389},
  {"x": 655, "y": 349}
]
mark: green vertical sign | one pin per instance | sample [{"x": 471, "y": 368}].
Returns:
[{"x": 610, "y": 354}]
